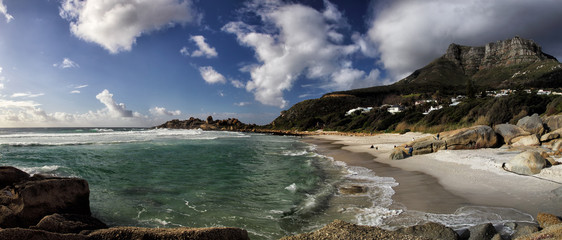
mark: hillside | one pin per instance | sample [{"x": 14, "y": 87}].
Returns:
[{"x": 514, "y": 63}]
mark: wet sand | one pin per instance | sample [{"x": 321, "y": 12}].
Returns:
[{"x": 445, "y": 181}]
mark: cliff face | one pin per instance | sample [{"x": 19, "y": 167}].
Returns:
[{"x": 504, "y": 53}]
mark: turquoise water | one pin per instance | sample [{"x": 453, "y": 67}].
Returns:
[{"x": 272, "y": 186}]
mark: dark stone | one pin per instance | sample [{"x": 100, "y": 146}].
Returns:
[
  {"x": 33, "y": 234},
  {"x": 11, "y": 175},
  {"x": 482, "y": 232},
  {"x": 134, "y": 233},
  {"x": 431, "y": 231},
  {"x": 69, "y": 223}
]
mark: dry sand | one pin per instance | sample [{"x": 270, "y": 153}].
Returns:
[{"x": 450, "y": 179}]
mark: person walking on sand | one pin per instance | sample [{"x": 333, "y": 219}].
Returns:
[{"x": 437, "y": 136}]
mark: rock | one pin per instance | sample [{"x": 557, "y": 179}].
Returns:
[
  {"x": 509, "y": 132},
  {"x": 522, "y": 230},
  {"x": 532, "y": 124},
  {"x": 26, "y": 203},
  {"x": 551, "y": 135},
  {"x": 134, "y": 233},
  {"x": 531, "y": 140},
  {"x": 32, "y": 234},
  {"x": 553, "y": 122},
  {"x": 546, "y": 220},
  {"x": 482, "y": 232},
  {"x": 428, "y": 145},
  {"x": 471, "y": 138},
  {"x": 553, "y": 232},
  {"x": 556, "y": 146},
  {"x": 398, "y": 153},
  {"x": 431, "y": 231},
  {"x": 69, "y": 223},
  {"x": 497, "y": 237},
  {"x": 11, "y": 175},
  {"x": 341, "y": 230},
  {"x": 353, "y": 190},
  {"x": 209, "y": 120},
  {"x": 526, "y": 163}
]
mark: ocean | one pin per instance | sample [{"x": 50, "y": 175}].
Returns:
[{"x": 272, "y": 186}]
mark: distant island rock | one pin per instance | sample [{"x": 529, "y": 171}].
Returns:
[{"x": 231, "y": 124}]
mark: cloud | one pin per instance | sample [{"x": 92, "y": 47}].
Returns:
[
  {"x": 117, "y": 110},
  {"x": 211, "y": 76},
  {"x": 66, "y": 63},
  {"x": 204, "y": 48},
  {"x": 410, "y": 33},
  {"x": 184, "y": 51},
  {"x": 295, "y": 41},
  {"x": 81, "y": 86},
  {"x": 4, "y": 11},
  {"x": 74, "y": 92},
  {"x": 116, "y": 24},
  {"x": 160, "y": 111},
  {"x": 241, "y": 104},
  {"x": 26, "y": 95},
  {"x": 237, "y": 83}
]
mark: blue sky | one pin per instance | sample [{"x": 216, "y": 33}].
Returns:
[{"x": 142, "y": 62}]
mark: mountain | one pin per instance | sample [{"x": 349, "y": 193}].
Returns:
[{"x": 514, "y": 63}]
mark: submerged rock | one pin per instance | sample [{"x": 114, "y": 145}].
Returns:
[
  {"x": 353, "y": 190},
  {"x": 526, "y": 163},
  {"x": 509, "y": 132}
]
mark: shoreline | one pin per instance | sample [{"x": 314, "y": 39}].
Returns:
[{"x": 441, "y": 182}]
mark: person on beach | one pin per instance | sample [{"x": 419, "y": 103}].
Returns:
[
  {"x": 410, "y": 150},
  {"x": 437, "y": 136},
  {"x": 372, "y": 146}
]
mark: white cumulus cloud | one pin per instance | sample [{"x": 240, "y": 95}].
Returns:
[
  {"x": 4, "y": 11},
  {"x": 204, "y": 48},
  {"x": 409, "y": 33},
  {"x": 237, "y": 83},
  {"x": 211, "y": 76},
  {"x": 296, "y": 41},
  {"x": 160, "y": 111},
  {"x": 66, "y": 63},
  {"x": 116, "y": 24},
  {"x": 115, "y": 109}
]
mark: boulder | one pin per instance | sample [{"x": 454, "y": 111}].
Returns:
[
  {"x": 34, "y": 234},
  {"x": 69, "y": 223},
  {"x": 532, "y": 124},
  {"x": 133, "y": 233},
  {"x": 546, "y": 220},
  {"x": 524, "y": 229},
  {"x": 470, "y": 138},
  {"x": 556, "y": 146},
  {"x": 431, "y": 231},
  {"x": 526, "y": 163},
  {"x": 341, "y": 230},
  {"x": 531, "y": 140},
  {"x": 509, "y": 132},
  {"x": 26, "y": 203},
  {"x": 551, "y": 135},
  {"x": 11, "y": 175},
  {"x": 553, "y": 122},
  {"x": 553, "y": 232},
  {"x": 428, "y": 146},
  {"x": 482, "y": 232},
  {"x": 399, "y": 153}
]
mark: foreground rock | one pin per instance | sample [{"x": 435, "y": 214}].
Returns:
[
  {"x": 11, "y": 175},
  {"x": 526, "y": 163},
  {"x": 552, "y": 135},
  {"x": 24, "y": 204},
  {"x": 133, "y": 233},
  {"x": 342, "y": 230},
  {"x": 69, "y": 223},
  {"x": 532, "y": 124},
  {"x": 531, "y": 140},
  {"x": 509, "y": 132},
  {"x": 553, "y": 122},
  {"x": 431, "y": 231}
]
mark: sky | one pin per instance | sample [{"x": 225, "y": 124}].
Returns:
[{"x": 139, "y": 63}]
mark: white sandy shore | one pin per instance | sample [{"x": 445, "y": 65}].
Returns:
[{"x": 475, "y": 175}]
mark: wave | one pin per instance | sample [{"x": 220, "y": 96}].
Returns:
[{"x": 47, "y": 169}]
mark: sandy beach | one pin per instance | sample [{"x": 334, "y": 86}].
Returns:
[{"x": 446, "y": 181}]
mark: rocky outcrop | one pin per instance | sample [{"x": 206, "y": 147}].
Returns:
[
  {"x": 471, "y": 138},
  {"x": 546, "y": 220},
  {"x": 482, "y": 232},
  {"x": 532, "y": 124},
  {"x": 69, "y": 223},
  {"x": 431, "y": 231},
  {"x": 133, "y": 233},
  {"x": 526, "y": 163},
  {"x": 399, "y": 153},
  {"x": 342, "y": 230},
  {"x": 231, "y": 124},
  {"x": 11, "y": 175},
  {"x": 24, "y": 204},
  {"x": 531, "y": 140},
  {"x": 553, "y": 122},
  {"x": 551, "y": 135},
  {"x": 509, "y": 132},
  {"x": 34, "y": 234},
  {"x": 553, "y": 232}
]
